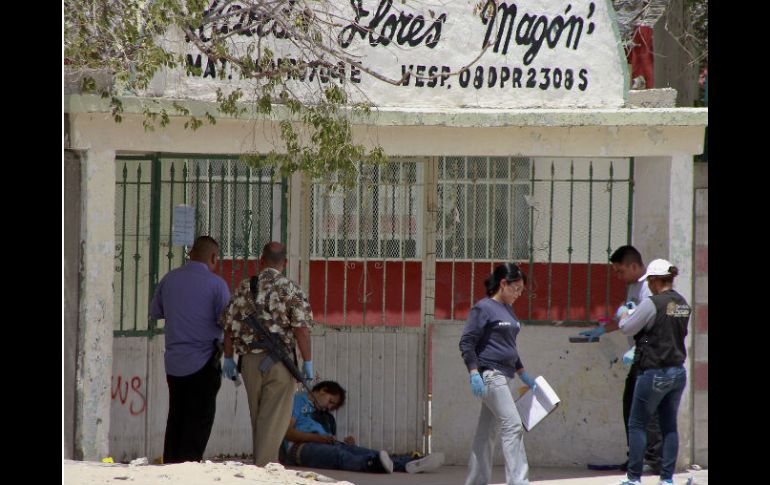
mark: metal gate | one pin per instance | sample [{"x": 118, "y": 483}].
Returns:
[
  {"x": 365, "y": 271},
  {"x": 241, "y": 207},
  {"x": 412, "y": 244},
  {"x": 559, "y": 219},
  {"x": 409, "y": 246}
]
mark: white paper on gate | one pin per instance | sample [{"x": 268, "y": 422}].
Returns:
[
  {"x": 183, "y": 225},
  {"x": 533, "y": 407}
]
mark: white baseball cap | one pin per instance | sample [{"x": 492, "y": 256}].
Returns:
[{"x": 658, "y": 267}]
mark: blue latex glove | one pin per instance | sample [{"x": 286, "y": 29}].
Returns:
[
  {"x": 528, "y": 381},
  {"x": 620, "y": 311},
  {"x": 307, "y": 367},
  {"x": 594, "y": 333},
  {"x": 628, "y": 357},
  {"x": 229, "y": 369},
  {"x": 477, "y": 385}
]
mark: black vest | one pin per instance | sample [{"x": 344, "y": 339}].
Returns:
[{"x": 663, "y": 345}]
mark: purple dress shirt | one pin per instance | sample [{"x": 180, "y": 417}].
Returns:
[{"x": 191, "y": 299}]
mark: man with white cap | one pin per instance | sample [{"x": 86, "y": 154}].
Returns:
[{"x": 659, "y": 327}]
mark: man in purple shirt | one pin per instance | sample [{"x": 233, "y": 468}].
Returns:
[{"x": 191, "y": 298}]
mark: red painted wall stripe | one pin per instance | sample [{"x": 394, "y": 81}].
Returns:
[
  {"x": 701, "y": 376},
  {"x": 465, "y": 275},
  {"x": 701, "y": 318}
]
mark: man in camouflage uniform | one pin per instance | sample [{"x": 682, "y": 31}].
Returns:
[{"x": 270, "y": 390}]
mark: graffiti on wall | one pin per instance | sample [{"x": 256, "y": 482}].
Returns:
[{"x": 129, "y": 393}]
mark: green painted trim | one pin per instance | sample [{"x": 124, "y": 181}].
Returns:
[
  {"x": 531, "y": 267},
  {"x": 320, "y": 329},
  {"x": 199, "y": 156},
  {"x": 540, "y": 323},
  {"x": 123, "y": 248},
  {"x": 631, "y": 185},
  {"x": 181, "y": 156},
  {"x": 155, "y": 193},
  {"x": 138, "y": 333},
  {"x": 590, "y": 235},
  {"x": 584, "y": 180},
  {"x": 283, "y": 206},
  {"x": 550, "y": 243},
  {"x": 561, "y": 323},
  {"x": 134, "y": 157},
  {"x": 621, "y": 57},
  {"x": 570, "y": 249}
]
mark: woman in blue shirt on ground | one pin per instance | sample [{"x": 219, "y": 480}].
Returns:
[{"x": 488, "y": 347}]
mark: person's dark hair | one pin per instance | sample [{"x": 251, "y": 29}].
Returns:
[
  {"x": 626, "y": 255},
  {"x": 507, "y": 271},
  {"x": 332, "y": 388},
  {"x": 669, "y": 278},
  {"x": 203, "y": 248},
  {"x": 274, "y": 252}
]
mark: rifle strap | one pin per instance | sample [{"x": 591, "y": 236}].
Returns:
[{"x": 266, "y": 363}]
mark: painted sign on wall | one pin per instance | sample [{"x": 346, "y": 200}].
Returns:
[{"x": 547, "y": 54}]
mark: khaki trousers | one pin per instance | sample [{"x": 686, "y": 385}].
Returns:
[{"x": 271, "y": 398}]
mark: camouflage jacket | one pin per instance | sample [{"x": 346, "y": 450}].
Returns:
[{"x": 287, "y": 307}]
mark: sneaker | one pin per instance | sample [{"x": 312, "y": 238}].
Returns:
[
  {"x": 429, "y": 463},
  {"x": 627, "y": 481},
  {"x": 666, "y": 482},
  {"x": 386, "y": 462}
]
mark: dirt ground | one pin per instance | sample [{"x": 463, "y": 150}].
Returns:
[
  {"x": 206, "y": 473},
  {"x": 237, "y": 473}
]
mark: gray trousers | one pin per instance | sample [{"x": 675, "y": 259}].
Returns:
[{"x": 498, "y": 414}]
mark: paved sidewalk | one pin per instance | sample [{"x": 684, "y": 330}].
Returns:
[{"x": 455, "y": 475}]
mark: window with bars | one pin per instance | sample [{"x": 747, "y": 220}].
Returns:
[
  {"x": 483, "y": 211},
  {"x": 380, "y": 218},
  {"x": 233, "y": 204}
]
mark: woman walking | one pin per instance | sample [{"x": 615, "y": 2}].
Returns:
[{"x": 488, "y": 347}]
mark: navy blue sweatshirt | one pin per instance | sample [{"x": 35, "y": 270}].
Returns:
[{"x": 489, "y": 338}]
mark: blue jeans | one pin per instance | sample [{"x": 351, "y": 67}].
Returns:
[
  {"x": 342, "y": 456},
  {"x": 656, "y": 390}
]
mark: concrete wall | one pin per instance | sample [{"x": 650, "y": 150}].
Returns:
[
  {"x": 700, "y": 356},
  {"x": 663, "y": 228},
  {"x": 483, "y": 137},
  {"x": 139, "y": 405},
  {"x": 586, "y": 427},
  {"x": 71, "y": 285}
]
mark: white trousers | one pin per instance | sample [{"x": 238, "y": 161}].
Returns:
[{"x": 498, "y": 414}]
